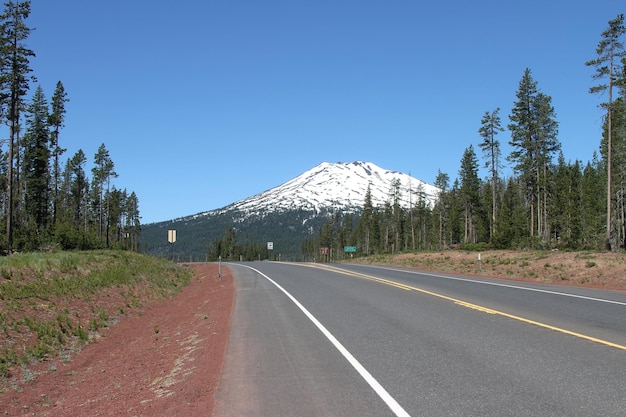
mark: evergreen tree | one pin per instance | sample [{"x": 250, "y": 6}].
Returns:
[
  {"x": 229, "y": 243},
  {"x": 103, "y": 171},
  {"x": 365, "y": 224},
  {"x": 523, "y": 128},
  {"x": 534, "y": 140},
  {"x": 609, "y": 65},
  {"x": 36, "y": 156},
  {"x": 133, "y": 221},
  {"x": 424, "y": 220},
  {"x": 56, "y": 121},
  {"x": 79, "y": 187},
  {"x": 547, "y": 145},
  {"x": 397, "y": 215},
  {"x": 442, "y": 181},
  {"x": 511, "y": 228},
  {"x": 565, "y": 205},
  {"x": 592, "y": 206},
  {"x": 14, "y": 84},
  {"x": 490, "y": 127},
  {"x": 470, "y": 188}
]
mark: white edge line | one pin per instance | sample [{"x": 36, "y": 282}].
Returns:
[
  {"x": 516, "y": 287},
  {"x": 382, "y": 392}
]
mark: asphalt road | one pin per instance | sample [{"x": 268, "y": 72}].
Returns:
[{"x": 351, "y": 340}]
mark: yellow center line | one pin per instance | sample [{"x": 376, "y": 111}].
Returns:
[{"x": 466, "y": 304}]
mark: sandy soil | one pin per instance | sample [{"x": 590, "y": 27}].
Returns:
[{"x": 165, "y": 361}]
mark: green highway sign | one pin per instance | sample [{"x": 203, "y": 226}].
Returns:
[{"x": 349, "y": 248}]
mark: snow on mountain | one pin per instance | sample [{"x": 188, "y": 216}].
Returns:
[{"x": 339, "y": 185}]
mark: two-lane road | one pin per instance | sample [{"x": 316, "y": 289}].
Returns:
[{"x": 347, "y": 340}]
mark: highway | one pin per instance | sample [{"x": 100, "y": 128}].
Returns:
[{"x": 353, "y": 340}]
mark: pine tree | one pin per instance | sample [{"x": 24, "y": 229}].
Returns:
[
  {"x": 103, "y": 171},
  {"x": 79, "y": 189},
  {"x": 490, "y": 127},
  {"x": 56, "y": 122},
  {"x": 129, "y": 233},
  {"x": 397, "y": 215},
  {"x": 470, "y": 188},
  {"x": 512, "y": 221},
  {"x": 592, "y": 208},
  {"x": 534, "y": 140},
  {"x": 442, "y": 181},
  {"x": 547, "y": 145},
  {"x": 565, "y": 205},
  {"x": 366, "y": 221},
  {"x": 14, "y": 84},
  {"x": 36, "y": 157},
  {"x": 523, "y": 130},
  {"x": 609, "y": 66}
]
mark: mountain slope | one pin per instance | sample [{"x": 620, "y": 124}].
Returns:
[
  {"x": 336, "y": 186},
  {"x": 289, "y": 213}
]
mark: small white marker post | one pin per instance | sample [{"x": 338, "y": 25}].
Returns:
[
  {"x": 219, "y": 267},
  {"x": 479, "y": 264}
]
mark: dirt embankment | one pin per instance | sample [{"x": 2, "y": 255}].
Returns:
[{"x": 165, "y": 360}]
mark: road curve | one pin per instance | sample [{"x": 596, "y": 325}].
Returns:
[{"x": 435, "y": 345}]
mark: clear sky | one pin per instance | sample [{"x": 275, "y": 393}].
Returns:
[{"x": 201, "y": 102}]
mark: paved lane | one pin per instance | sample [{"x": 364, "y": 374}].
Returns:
[
  {"x": 433, "y": 354},
  {"x": 279, "y": 363}
]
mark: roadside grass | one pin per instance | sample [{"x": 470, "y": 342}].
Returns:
[{"x": 50, "y": 303}]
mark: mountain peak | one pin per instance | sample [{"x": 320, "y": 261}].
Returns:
[{"x": 340, "y": 185}]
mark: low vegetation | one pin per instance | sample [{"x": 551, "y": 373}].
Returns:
[
  {"x": 52, "y": 303},
  {"x": 587, "y": 268}
]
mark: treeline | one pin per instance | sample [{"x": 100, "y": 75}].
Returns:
[
  {"x": 547, "y": 203},
  {"x": 45, "y": 203},
  {"x": 228, "y": 248}
]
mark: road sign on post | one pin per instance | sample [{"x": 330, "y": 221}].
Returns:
[
  {"x": 349, "y": 248},
  {"x": 171, "y": 238}
]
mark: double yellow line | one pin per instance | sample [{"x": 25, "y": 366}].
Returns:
[{"x": 465, "y": 304}]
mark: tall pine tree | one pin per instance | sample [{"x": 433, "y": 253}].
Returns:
[
  {"x": 534, "y": 141},
  {"x": 490, "y": 127},
  {"x": 36, "y": 175},
  {"x": 609, "y": 65},
  {"x": 56, "y": 121},
  {"x": 14, "y": 84},
  {"x": 470, "y": 193}
]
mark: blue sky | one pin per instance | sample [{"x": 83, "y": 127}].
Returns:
[{"x": 201, "y": 103}]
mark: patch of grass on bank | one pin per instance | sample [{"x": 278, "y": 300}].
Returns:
[{"x": 51, "y": 301}]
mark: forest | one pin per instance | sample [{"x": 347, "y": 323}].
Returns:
[
  {"x": 46, "y": 203},
  {"x": 548, "y": 203}
]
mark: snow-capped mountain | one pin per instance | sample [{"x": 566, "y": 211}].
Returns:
[
  {"x": 340, "y": 185},
  {"x": 290, "y": 213}
]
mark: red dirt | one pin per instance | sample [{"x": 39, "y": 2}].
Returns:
[{"x": 165, "y": 361}]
